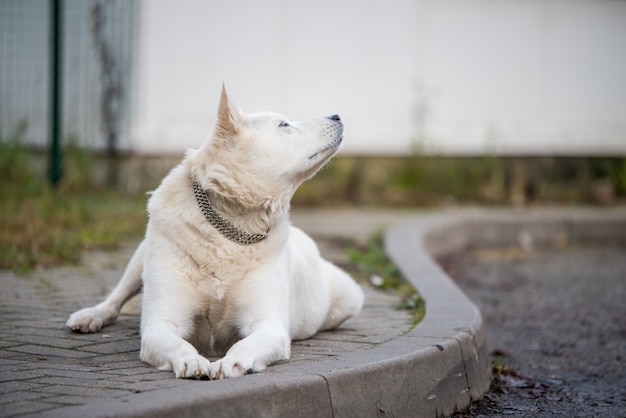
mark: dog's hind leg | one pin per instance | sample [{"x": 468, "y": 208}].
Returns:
[
  {"x": 346, "y": 296},
  {"x": 106, "y": 313}
]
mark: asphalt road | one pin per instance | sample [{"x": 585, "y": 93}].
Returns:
[{"x": 556, "y": 329}]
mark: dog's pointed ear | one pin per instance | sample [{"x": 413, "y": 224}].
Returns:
[{"x": 227, "y": 116}]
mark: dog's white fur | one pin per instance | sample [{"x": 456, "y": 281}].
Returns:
[{"x": 203, "y": 293}]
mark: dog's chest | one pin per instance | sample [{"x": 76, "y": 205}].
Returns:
[
  {"x": 216, "y": 322},
  {"x": 210, "y": 287},
  {"x": 213, "y": 281}
]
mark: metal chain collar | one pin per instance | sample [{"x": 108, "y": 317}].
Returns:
[{"x": 226, "y": 228}]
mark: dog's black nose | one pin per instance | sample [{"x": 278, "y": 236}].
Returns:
[{"x": 334, "y": 117}]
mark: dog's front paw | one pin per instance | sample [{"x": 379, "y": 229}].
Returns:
[
  {"x": 192, "y": 367},
  {"x": 227, "y": 367},
  {"x": 86, "y": 320}
]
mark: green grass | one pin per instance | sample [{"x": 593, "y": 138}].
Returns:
[
  {"x": 432, "y": 180},
  {"x": 41, "y": 226},
  {"x": 375, "y": 265}
]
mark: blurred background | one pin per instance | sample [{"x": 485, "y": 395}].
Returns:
[{"x": 510, "y": 102}]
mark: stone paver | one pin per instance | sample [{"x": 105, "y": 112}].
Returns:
[{"x": 45, "y": 368}]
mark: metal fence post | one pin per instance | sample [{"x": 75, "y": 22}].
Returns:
[{"x": 56, "y": 91}]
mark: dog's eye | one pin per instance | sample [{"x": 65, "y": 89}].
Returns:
[{"x": 283, "y": 124}]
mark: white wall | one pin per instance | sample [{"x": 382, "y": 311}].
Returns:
[{"x": 454, "y": 76}]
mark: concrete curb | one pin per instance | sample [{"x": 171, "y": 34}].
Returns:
[{"x": 460, "y": 371}]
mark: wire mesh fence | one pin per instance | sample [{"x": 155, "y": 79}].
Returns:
[{"x": 98, "y": 42}]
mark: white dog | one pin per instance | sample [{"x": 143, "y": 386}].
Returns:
[{"x": 222, "y": 269}]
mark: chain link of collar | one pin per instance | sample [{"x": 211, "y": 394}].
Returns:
[{"x": 222, "y": 225}]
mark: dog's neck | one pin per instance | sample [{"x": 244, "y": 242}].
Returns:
[
  {"x": 243, "y": 225},
  {"x": 249, "y": 206},
  {"x": 224, "y": 226}
]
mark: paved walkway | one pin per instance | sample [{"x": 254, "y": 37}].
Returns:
[{"x": 47, "y": 370}]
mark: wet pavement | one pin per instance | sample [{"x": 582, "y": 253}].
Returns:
[{"x": 555, "y": 321}]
